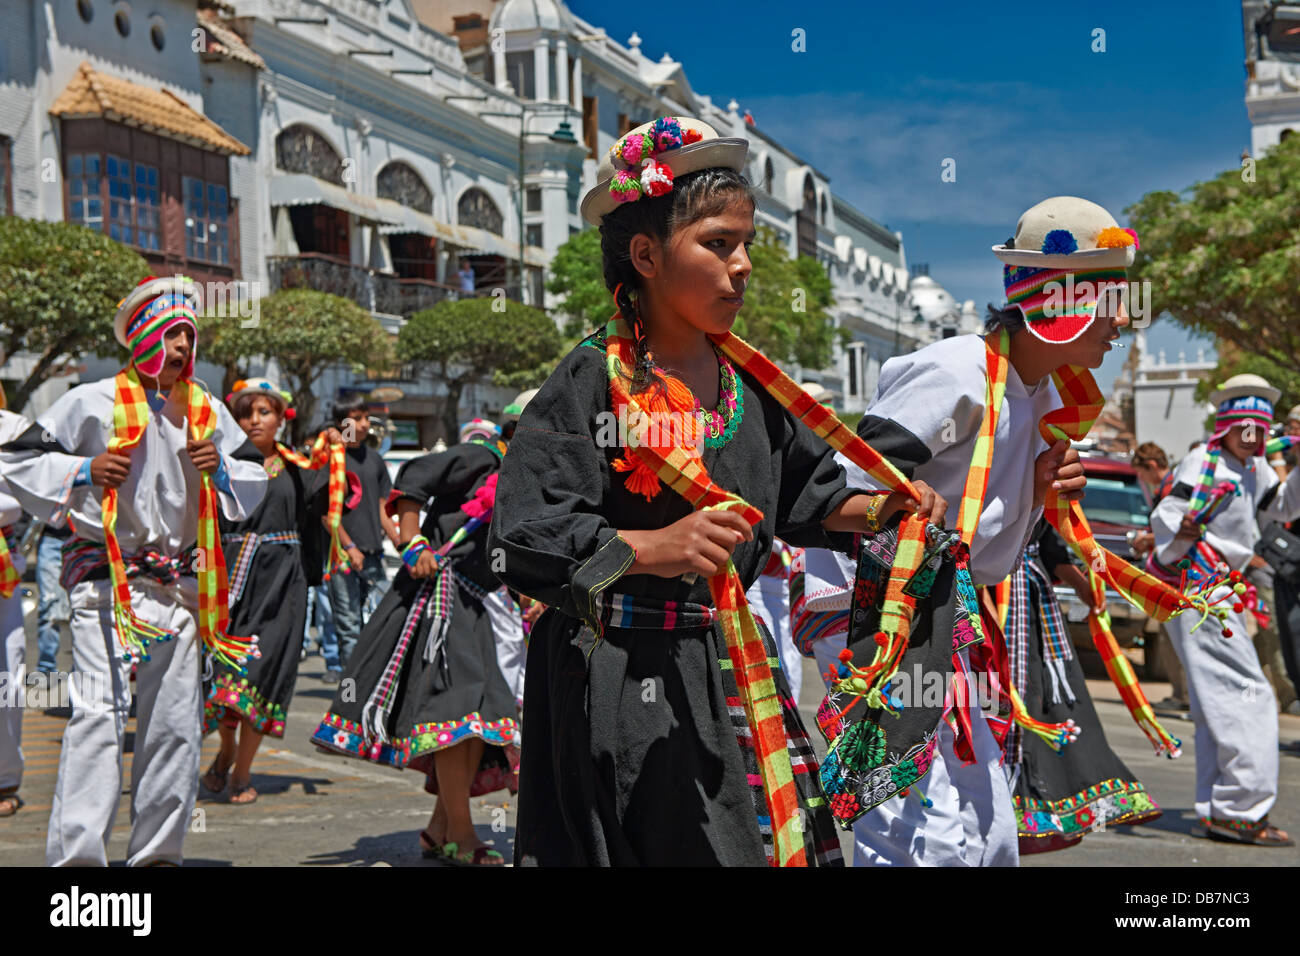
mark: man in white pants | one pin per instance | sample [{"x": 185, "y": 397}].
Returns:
[
  {"x": 57, "y": 470},
  {"x": 926, "y": 418},
  {"x": 13, "y": 641},
  {"x": 1232, "y": 702}
]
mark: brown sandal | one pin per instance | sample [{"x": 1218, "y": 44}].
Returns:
[
  {"x": 237, "y": 794},
  {"x": 430, "y": 848},
  {"x": 10, "y": 804},
  {"x": 1261, "y": 833},
  {"x": 223, "y": 776}
]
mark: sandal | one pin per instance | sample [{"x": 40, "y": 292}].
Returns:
[
  {"x": 10, "y": 804},
  {"x": 1261, "y": 833},
  {"x": 479, "y": 856},
  {"x": 215, "y": 774},
  {"x": 238, "y": 793},
  {"x": 430, "y": 848}
]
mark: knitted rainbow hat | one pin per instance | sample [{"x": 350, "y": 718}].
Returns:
[
  {"x": 1066, "y": 253},
  {"x": 1241, "y": 399},
  {"x": 147, "y": 313},
  {"x": 479, "y": 428},
  {"x": 266, "y": 388}
]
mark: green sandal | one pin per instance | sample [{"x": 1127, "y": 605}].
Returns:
[{"x": 476, "y": 857}]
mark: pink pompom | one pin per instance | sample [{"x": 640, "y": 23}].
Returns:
[
  {"x": 1133, "y": 233},
  {"x": 635, "y": 148},
  {"x": 625, "y": 187}
]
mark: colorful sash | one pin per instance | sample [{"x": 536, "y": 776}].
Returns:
[
  {"x": 249, "y": 544},
  {"x": 130, "y": 418},
  {"x": 1082, "y": 404},
  {"x": 9, "y": 576},
  {"x": 333, "y": 457}
]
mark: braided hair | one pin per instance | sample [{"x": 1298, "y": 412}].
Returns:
[{"x": 705, "y": 192}]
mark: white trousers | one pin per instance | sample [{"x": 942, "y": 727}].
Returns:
[
  {"x": 1235, "y": 712},
  {"x": 769, "y": 599},
  {"x": 168, "y": 735},
  {"x": 971, "y": 821},
  {"x": 508, "y": 632},
  {"x": 13, "y": 676}
]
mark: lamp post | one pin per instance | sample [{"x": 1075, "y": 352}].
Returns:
[{"x": 563, "y": 134}]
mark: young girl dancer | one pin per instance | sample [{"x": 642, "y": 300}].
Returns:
[
  {"x": 660, "y": 726},
  {"x": 274, "y": 557},
  {"x": 424, "y": 689}
]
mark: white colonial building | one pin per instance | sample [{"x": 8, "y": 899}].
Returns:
[{"x": 1272, "y": 34}]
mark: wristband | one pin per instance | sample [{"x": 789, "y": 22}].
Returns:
[{"x": 411, "y": 553}]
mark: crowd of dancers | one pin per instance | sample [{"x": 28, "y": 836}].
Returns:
[{"x": 663, "y": 583}]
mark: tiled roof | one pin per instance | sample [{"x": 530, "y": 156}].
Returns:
[
  {"x": 222, "y": 40},
  {"x": 91, "y": 93}
]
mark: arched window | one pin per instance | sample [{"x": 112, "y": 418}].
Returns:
[
  {"x": 767, "y": 176},
  {"x": 823, "y": 210},
  {"x": 400, "y": 183},
  {"x": 806, "y": 219},
  {"x": 1285, "y": 135},
  {"x": 476, "y": 208},
  {"x": 300, "y": 149}
]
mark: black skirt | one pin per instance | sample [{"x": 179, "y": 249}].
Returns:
[
  {"x": 638, "y": 753},
  {"x": 274, "y": 607},
  {"x": 432, "y": 706},
  {"x": 1059, "y": 797}
]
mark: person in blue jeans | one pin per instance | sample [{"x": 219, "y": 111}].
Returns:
[
  {"x": 52, "y": 608},
  {"x": 354, "y": 595}
]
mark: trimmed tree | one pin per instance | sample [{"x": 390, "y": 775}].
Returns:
[
  {"x": 786, "y": 300},
  {"x": 472, "y": 340},
  {"x": 59, "y": 288},
  {"x": 1224, "y": 257},
  {"x": 306, "y": 332}
]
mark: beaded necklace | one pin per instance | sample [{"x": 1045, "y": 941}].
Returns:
[{"x": 720, "y": 423}]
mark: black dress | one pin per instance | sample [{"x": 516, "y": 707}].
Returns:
[
  {"x": 638, "y": 750},
  {"x": 1059, "y": 797},
  {"x": 438, "y": 693},
  {"x": 272, "y": 557}
]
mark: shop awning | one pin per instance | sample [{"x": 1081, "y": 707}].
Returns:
[
  {"x": 468, "y": 239},
  {"x": 299, "y": 189}
]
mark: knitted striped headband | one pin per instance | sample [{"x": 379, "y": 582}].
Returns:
[
  {"x": 1242, "y": 409},
  {"x": 1059, "y": 305},
  {"x": 147, "y": 327}
]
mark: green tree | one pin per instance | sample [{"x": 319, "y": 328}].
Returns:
[
  {"x": 1233, "y": 361},
  {"x": 786, "y": 300},
  {"x": 577, "y": 277},
  {"x": 1224, "y": 257},
  {"x": 473, "y": 340},
  {"x": 59, "y": 288},
  {"x": 306, "y": 332}
]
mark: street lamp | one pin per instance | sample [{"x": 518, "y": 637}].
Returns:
[{"x": 563, "y": 134}]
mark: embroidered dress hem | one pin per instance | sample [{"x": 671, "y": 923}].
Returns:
[
  {"x": 346, "y": 737},
  {"x": 1045, "y": 825},
  {"x": 234, "y": 693}
]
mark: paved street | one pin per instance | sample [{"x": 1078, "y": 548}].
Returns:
[{"x": 321, "y": 810}]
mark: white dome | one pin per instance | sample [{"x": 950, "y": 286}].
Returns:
[
  {"x": 532, "y": 15},
  {"x": 933, "y": 300}
]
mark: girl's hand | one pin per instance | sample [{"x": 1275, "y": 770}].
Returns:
[
  {"x": 932, "y": 507},
  {"x": 203, "y": 454},
  {"x": 1189, "y": 529},
  {"x": 425, "y": 565},
  {"x": 700, "y": 543}
]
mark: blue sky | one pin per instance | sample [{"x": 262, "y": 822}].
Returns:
[{"x": 1013, "y": 92}]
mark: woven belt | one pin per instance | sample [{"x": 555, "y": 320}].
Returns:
[
  {"x": 642, "y": 613},
  {"x": 88, "y": 561},
  {"x": 242, "y": 561}
]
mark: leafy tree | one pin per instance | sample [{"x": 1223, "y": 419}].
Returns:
[
  {"x": 1225, "y": 257},
  {"x": 1233, "y": 361},
  {"x": 576, "y": 276},
  {"x": 471, "y": 340},
  {"x": 59, "y": 288},
  {"x": 785, "y": 303},
  {"x": 306, "y": 332}
]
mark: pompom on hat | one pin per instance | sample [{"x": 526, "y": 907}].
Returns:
[
  {"x": 1064, "y": 245},
  {"x": 265, "y": 387},
  {"x": 646, "y": 160},
  {"x": 149, "y": 311}
]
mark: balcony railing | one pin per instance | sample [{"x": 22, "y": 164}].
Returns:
[{"x": 373, "y": 291}]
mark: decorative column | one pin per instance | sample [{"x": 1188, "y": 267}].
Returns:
[
  {"x": 561, "y": 70},
  {"x": 499, "y": 61},
  {"x": 576, "y": 86},
  {"x": 542, "y": 70}
]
